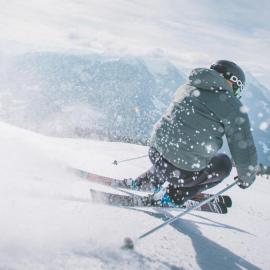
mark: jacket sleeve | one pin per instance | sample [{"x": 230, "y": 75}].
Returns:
[{"x": 241, "y": 144}]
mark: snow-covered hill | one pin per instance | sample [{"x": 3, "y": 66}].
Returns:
[
  {"x": 77, "y": 67},
  {"x": 48, "y": 221}
]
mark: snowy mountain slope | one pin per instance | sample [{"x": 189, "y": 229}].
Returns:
[
  {"x": 48, "y": 222},
  {"x": 47, "y": 219}
]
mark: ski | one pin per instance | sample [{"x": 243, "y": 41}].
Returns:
[
  {"x": 134, "y": 200},
  {"x": 99, "y": 179},
  {"x": 225, "y": 199},
  {"x": 117, "y": 183}
]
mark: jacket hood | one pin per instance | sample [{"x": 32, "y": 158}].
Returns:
[{"x": 208, "y": 79}]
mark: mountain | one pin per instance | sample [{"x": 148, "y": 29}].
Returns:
[
  {"x": 102, "y": 96},
  {"x": 256, "y": 100},
  {"x": 116, "y": 96}
]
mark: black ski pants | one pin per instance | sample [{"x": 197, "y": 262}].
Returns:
[{"x": 183, "y": 184}]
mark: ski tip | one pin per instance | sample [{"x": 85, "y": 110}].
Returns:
[
  {"x": 223, "y": 208},
  {"x": 128, "y": 244},
  {"x": 227, "y": 200}
]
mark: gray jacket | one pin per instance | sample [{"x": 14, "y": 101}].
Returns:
[{"x": 190, "y": 133}]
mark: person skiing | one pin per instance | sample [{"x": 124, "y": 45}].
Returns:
[{"x": 185, "y": 142}]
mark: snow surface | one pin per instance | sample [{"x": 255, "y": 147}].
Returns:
[{"x": 49, "y": 222}]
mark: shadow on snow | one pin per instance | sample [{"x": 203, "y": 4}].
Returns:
[{"x": 209, "y": 254}]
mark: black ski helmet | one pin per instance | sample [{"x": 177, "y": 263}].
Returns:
[{"x": 232, "y": 72}]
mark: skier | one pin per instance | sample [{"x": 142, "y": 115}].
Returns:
[{"x": 185, "y": 141}]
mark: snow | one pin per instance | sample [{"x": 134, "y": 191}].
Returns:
[
  {"x": 47, "y": 218},
  {"x": 49, "y": 222},
  {"x": 264, "y": 126}
]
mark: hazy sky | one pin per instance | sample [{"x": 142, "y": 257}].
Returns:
[{"x": 190, "y": 33}]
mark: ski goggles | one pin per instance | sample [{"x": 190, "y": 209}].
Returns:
[{"x": 238, "y": 86}]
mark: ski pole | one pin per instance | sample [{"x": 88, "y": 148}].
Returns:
[
  {"x": 128, "y": 243},
  {"x": 116, "y": 162}
]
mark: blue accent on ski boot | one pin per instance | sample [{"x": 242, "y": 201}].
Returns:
[
  {"x": 167, "y": 201},
  {"x": 162, "y": 197}
]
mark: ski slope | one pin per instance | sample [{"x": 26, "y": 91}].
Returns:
[{"x": 49, "y": 222}]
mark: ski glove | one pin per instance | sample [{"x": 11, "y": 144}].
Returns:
[{"x": 246, "y": 181}]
